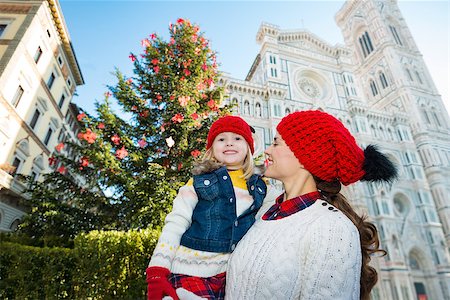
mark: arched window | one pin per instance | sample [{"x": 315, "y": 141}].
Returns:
[
  {"x": 431, "y": 116},
  {"x": 413, "y": 263},
  {"x": 385, "y": 207},
  {"x": 277, "y": 110},
  {"x": 430, "y": 238},
  {"x": 374, "y": 88},
  {"x": 258, "y": 110},
  {"x": 395, "y": 35},
  {"x": 349, "y": 125},
  {"x": 235, "y": 105},
  {"x": 425, "y": 116},
  {"x": 419, "y": 78},
  {"x": 382, "y": 133},
  {"x": 408, "y": 72},
  {"x": 384, "y": 83},
  {"x": 373, "y": 130},
  {"x": 436, "y": 117},
  {"x": 366, "y": 44},
  {"x": 246, "y": 108},
  {"x": 287, "y": 111},
  {"x": 273, "y": 72},
  {"x": 395, "y": 242},
  {"x": 272, "y": 59},
  {"x": 436, "y": 258},
  {"x": 416, "y": 260},
  {"x": 390, "y": 135}
]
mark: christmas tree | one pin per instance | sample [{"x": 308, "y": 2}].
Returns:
[{"x": 127, "y": 167}]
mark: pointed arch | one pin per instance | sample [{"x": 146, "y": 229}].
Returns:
[
  {"x": 373, "y": 87},
  {"x": 383, "y": 80},
  {"x": 395, "y": 30},
  {"x": 418, "y": 260},
  {"x": 365, "y": 43}
]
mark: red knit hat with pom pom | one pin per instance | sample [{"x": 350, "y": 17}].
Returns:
[
  {"x": 323, "y": 146},
  {"x": 233, "y": 124}
]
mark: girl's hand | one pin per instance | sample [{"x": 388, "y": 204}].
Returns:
[{"x": 158, "y": 284}]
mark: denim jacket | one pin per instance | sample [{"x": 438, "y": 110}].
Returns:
[{"x": 215, "y": 226}]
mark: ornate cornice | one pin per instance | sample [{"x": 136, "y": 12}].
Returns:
[
  {"x": 253, "y": 67},
  {"x": 356, "y": 107},
  {"x": 294, "y": 36},
  {"x": 267, "y": 29},
  {"x": 10, "y": 8},
  {"x": 65, "y": 39},
  {"x": 380, "y": 117},
  {"x": 265, "y": 91},
  {"x": 245, "y": 88},
  {"x": 276, "y": 90}
]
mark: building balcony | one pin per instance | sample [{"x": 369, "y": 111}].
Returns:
[
  {"x": 5, "y": 180},
  {"x": 19, "y": 187}
]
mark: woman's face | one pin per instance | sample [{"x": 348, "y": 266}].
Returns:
[{"x": 281, "y": 161}]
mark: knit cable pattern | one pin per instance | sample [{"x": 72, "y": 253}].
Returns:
[{"x": 313, "y": 254}]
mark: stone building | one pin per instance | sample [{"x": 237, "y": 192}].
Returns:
[
  {"x": 379, "y": 86},
  {"x": 38, "y": 76}
]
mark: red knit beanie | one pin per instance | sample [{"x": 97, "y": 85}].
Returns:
[
  {"x": 323, "y": 146},
  {"x": 230, "y": 124}
]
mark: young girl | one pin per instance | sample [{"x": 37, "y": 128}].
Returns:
[{"x": 210, "y": 214}]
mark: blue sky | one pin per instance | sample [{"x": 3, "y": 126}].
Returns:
[{"x": 104, "y": 33}]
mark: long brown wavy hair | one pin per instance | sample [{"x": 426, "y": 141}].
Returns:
[{"x": 368, "y": 233}]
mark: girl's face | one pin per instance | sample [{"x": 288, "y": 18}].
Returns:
[
  {"x": 230, "y": 149},
  {"x": 281, "y": 161}
]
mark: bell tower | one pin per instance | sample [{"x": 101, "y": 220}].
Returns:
[{"x": 395, "y": 79}]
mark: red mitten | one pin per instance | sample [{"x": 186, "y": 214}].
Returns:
[{"x": 158, "y": 284}]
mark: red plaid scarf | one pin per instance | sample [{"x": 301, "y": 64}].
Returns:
[{"x": 282, "y": 209}]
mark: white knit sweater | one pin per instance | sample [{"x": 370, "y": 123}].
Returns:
[{"x": 312, "y": 254}]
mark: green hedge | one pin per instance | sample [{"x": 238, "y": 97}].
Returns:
[
  {"x": 112, "y": 264},
  {"x": 102, "y": 265},
  {"x": 28, "y": 272}
]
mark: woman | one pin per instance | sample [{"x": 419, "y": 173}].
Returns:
[{"x": 311, "y": 244}]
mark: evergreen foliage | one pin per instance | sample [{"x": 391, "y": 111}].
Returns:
[{"x": 127, "y": 166}]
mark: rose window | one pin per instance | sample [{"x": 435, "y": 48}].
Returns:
[{"x": 309, "y": 88}]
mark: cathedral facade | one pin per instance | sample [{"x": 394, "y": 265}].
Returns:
[{"x": 379, "y": 86}]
